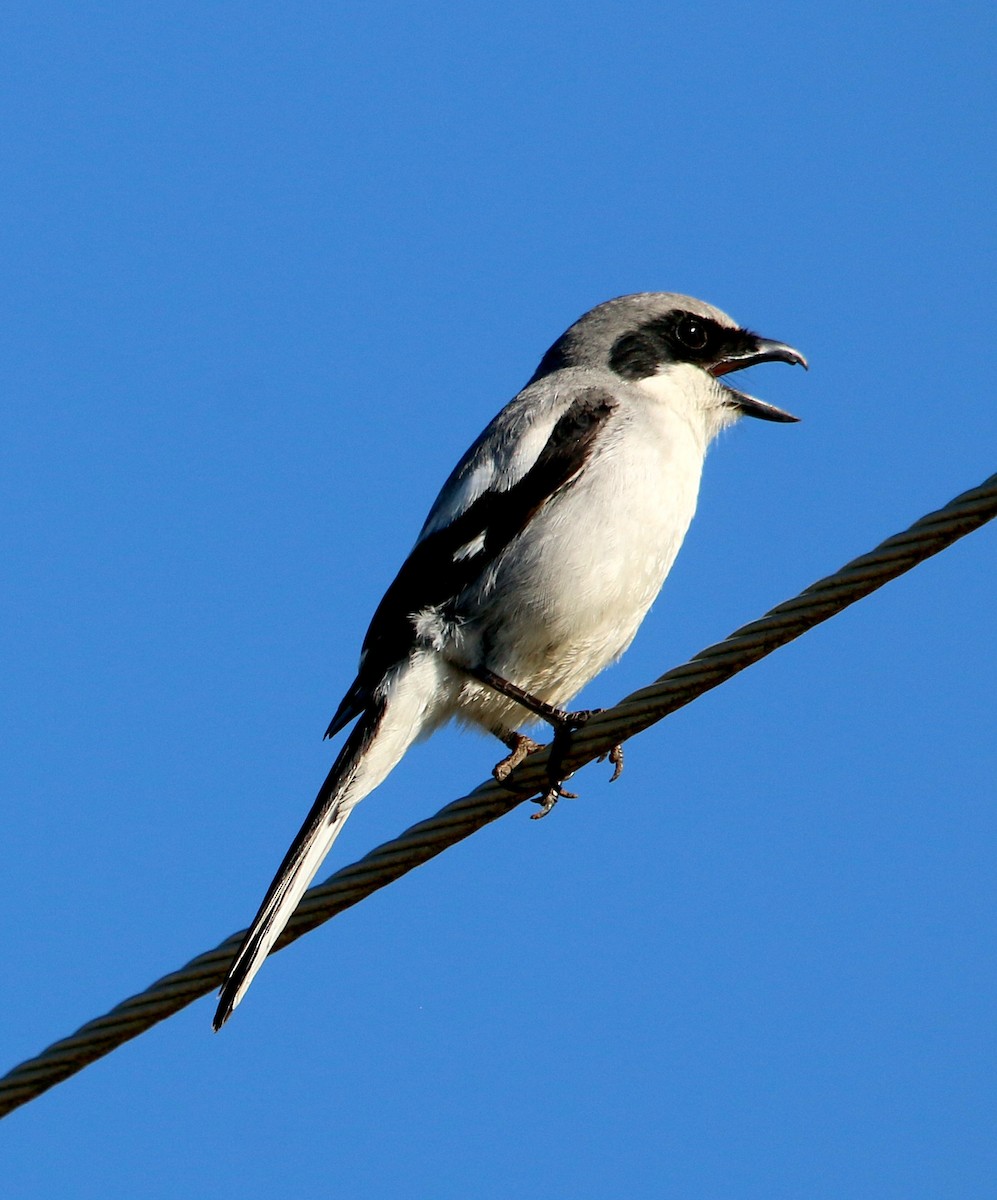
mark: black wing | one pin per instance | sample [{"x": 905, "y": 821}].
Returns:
[{"x": 446, "y": 561}]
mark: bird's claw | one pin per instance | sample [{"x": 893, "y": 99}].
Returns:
[
  {"x": 521, "y": 746},
  {"x": 559, "y": 747},
  {"x": 615, "y": 756},
  {"x": 554, "y": 793}
]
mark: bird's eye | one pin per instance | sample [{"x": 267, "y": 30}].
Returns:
[{"x": 692, "y": 333}]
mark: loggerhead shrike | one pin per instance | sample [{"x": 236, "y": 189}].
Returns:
[{"x": 538, "y": 561}]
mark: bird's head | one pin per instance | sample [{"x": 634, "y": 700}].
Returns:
[{"x": 661, "y": 335}]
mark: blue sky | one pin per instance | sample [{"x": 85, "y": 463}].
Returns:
[{"x": 268, "y": 270}]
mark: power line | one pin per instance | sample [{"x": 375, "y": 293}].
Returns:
[{"x": 465, "y": 816}]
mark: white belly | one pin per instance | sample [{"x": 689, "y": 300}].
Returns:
[{"x": 580, "y": 579}]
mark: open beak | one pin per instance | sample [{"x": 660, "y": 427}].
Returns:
[{"x": 752, "y": 351}]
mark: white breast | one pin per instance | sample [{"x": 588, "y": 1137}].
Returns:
[{"x": 569, "y": 594}]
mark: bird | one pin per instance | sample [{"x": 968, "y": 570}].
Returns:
[{"x": 537, "y": 563}]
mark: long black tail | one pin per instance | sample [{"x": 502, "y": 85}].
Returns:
[{"x": 346, "y": 784}]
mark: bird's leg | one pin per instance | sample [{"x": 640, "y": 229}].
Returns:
[
  {"x": 559, "y": 747},
  {"x": 539, "y": 708},
  {"x": 564, "y": 725}
]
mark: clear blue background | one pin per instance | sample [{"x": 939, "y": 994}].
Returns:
[{"x": 268, "y": 269}]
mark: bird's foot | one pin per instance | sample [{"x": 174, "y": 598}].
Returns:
[
  {"x": 615, "y": 756},
  {"x": 521, "y": 746},
  {"x": 565, "y": 724}
]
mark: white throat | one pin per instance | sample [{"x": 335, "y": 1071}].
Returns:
[{"x": 693, "y": 395}]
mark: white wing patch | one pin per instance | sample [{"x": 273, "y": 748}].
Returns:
[
  {"x": 499, "y": 463},
  {"x": 469, "y": 549},
  {"x": 458, "y": 498}
]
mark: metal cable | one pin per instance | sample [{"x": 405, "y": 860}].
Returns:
[{"x": 463, "y": 817}]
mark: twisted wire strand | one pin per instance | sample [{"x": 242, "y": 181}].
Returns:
[{"x": 460, "y": 819}]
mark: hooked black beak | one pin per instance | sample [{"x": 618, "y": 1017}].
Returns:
[{"x": 753, "y": 351}]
